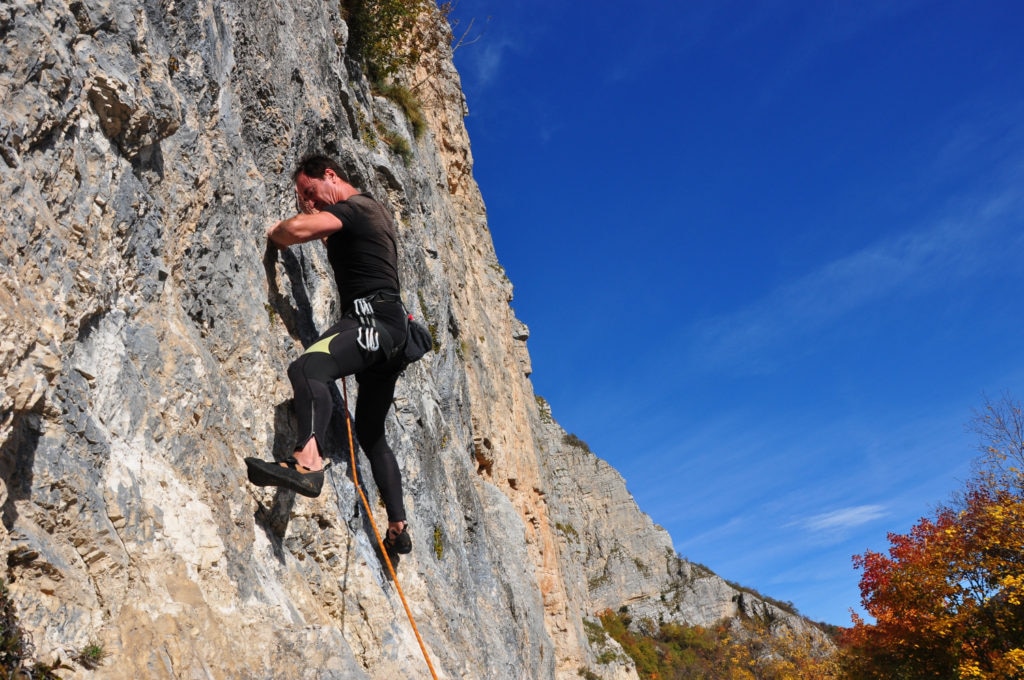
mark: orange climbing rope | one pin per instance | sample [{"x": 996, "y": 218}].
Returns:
[{"x": 380, "y": 542}]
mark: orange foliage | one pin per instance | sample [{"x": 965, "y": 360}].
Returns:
[{"x": 948, "y": 599}]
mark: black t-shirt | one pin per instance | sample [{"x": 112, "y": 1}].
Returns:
[{"x": 364, "y": 252}]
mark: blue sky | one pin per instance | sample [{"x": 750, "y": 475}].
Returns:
[{"x": 770, "y": 253}]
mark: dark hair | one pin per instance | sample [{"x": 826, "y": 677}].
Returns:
[{"x": 315, "y": 167}]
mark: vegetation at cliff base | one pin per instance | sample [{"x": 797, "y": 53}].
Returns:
[{"x": 736, "y": 649}]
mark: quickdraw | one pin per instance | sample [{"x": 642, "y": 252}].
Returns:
[{"x": 369, "y": 337}]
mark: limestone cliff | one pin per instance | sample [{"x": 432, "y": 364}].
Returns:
[{"x": 144, "y": 333}]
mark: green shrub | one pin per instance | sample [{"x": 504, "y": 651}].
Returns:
[
  {"x": 544, "y": 408},
  {"x": 396, "y": 142},
  {"x": 788, "y": 607},
  {"x": 573, "y": 440},
  {"x": 92, "y": 655},
  {"x": 409, "y": 104},
  {"x": 382, "y": 34},
  {"x": 568, "y": 530},
  {"x": 438, "y": 542},
  {"x": 596, "y": 634}
]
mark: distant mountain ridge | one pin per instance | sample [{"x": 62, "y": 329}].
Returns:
[{"x": 144, "y": 333}]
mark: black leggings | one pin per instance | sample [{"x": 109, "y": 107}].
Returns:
[{"x": 337, "y": 354}]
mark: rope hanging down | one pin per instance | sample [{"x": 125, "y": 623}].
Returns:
[{"x": 376, "y": 533}]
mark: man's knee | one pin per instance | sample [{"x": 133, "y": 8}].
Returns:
[
  {"x": 297, "y": 370},
  {"x": 319, "y": 367}
]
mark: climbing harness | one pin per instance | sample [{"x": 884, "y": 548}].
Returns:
[{"x": 373, "y": 523}]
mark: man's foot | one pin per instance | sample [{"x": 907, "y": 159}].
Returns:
[
  {"x": 398, "y": 542},
  {"x": 288, "y": 474}
]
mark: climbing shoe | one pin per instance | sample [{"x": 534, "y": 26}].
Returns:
[
  {"x": 396, "y": 543},
  {"x": 287, "y": 474}
]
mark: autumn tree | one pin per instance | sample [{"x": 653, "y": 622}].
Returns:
[{"x": 948, "y": 598}]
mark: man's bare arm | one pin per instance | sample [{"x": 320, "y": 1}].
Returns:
[{"x": 303, "y": 228}]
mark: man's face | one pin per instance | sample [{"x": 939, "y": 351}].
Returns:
[{"x": 316, "y": 194}]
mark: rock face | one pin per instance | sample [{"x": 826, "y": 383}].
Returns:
[{"x": 144, "y": 333}]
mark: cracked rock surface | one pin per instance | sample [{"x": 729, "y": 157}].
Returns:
[{"x": 145, "y": 328}]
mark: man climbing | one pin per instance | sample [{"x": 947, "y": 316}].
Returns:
[{"x": 366, "y": 342}]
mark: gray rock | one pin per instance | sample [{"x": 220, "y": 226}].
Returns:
[{"x": 144, "y": 333}]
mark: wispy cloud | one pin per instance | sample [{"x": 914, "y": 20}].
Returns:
[
  {"x": 844, "y": 518},
  {"x": 900, "y": 267},
  {"x": 492, "y": 34},
  {"x": 485, "y": 62}
]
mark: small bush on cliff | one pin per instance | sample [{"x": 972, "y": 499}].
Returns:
[
  {"x": 438, "y": 542},
  {"x": 404, "y": 97},
  {"x": 379, "y": 33},
  {"x": 574, "y": 440},
  {"x": 544, "y": 409},
  {"x": 397, "y": 143},
  {"x": 779, "y": 604},
  {"x": 92, "y": 655},
  {"x": 387, "y": 36}
]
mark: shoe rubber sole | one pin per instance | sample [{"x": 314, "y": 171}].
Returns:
[{"x": 267, "y": 473}]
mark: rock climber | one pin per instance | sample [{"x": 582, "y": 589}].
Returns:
[{"x": 362, "y": 248}]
